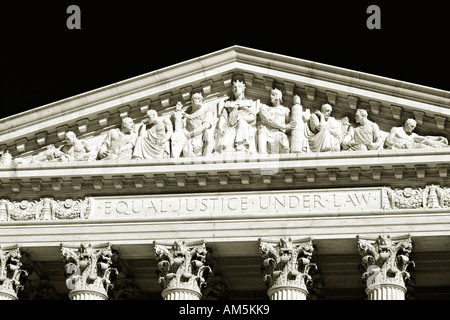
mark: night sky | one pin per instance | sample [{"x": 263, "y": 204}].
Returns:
[{"x": 43, "y": 61}]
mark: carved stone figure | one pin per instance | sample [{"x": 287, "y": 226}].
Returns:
[
  {"x": 299, "y": 141},
  {"x": 366, "y": 136},
  {"x": 347, "y": 132},
  {"x": 73, "y": 150},
  {"x": 404, "y": 138},
  {"x": 154, "y": 135},
  {"x": 119, "y": 143},
  {"x": 237, "y": 122},
  {"x": 5, "y": 158},
  {"x": 272, "y": 136},
  {"x": 325, "y": 131},
  {"x": 178, "y": 139},
  {"x": 199, "y": 128}
]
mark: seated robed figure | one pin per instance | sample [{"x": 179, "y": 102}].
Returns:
[
  {"x": 366, "y": 136},
  {"x": 119, "y": 143},
  {"x": 325, "y": 131},
  {"x": 153, "y": 137}
]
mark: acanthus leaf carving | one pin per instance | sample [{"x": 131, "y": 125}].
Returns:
[
  {"x": 11, "y": 271},
  {"x": 385, "y": 260},
  {"x": 182, "y": 265},
  {"x": 288, "y": 262},
  {"x": 89, "y": 268}
]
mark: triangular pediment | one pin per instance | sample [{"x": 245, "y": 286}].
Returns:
[{"x": 389, "y": 102}]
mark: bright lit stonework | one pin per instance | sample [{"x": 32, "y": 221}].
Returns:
[{"x": 240, "y": 174}]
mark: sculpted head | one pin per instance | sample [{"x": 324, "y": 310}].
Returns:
[
  {"x": 276, "y": 95},
  {"x": 410, "y": 125},
  {"x": 70, "y": 137},
  {"x": 197, "y": 99},
  {"x": 127, "y": 124},
  {"x": 151, "y": 115},
  {"x": 326, "y": 110},
  {"x": 178, "y": 106},
  {"x": 360, "y": 115},
  {"x": 297, "y": 100},
  {"x": 238, "y": 88}
]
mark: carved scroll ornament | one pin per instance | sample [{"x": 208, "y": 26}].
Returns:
[
  {"x": 431, "y": 197},
  {"x": 44, "y": 209}
]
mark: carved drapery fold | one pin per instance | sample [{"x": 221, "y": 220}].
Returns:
[
  {"x": 182, "y": 269},
  {"x": 386, "y": 265},
  {"x": 287, "y": 267},
  {"x": 11, "y": 272},
  {"x": 89, "y": 272}
]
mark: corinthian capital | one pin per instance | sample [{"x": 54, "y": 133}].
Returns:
[
  {"x": 385, "y": 260},
  {"x": 287, "y": 262},
  {"x": 182, "y": 266},
  {"x": 10, "y": 272},
  {"x": 88, "y": 270}
]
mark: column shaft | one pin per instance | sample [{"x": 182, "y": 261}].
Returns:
[{"x": 287, "y": 293}]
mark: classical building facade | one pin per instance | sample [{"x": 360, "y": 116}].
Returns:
[{"x": 241, "y": 174}]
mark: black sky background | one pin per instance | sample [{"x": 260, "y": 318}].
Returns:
[{"x": 42, "y": 61}]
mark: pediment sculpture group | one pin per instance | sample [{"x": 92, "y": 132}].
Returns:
[{"x": 242, "y": 125}]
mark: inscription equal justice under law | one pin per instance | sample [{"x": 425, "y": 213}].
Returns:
[{"x": 296, "y": 201}]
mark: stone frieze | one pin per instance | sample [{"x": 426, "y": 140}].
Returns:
[
  {"x": 44, "y": 209},
  {"x": 308, "y": 201}
]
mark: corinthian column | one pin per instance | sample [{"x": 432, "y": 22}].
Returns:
[
  {"x": 10, "y": 272},
  {"x": 286, "y": 267},
  {"x": 88, "y": 270},
  {"x": 385, "y": 261},
  {"x": 181, "y": 268}
]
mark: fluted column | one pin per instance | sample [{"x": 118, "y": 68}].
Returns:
[
  {"x": 10, "y": 272},
  {"x": 88, "y": 270},
  {"x": 181, "y": 269},
  {"x": 287, "y": 267},
  {"x": 385, "y": 261}
]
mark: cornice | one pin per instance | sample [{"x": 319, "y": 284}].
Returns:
[{"x": 322, "y": 170}]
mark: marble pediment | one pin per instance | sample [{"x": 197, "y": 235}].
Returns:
[{"x": 26, "y": 136}]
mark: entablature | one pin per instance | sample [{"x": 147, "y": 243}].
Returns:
[{"x": 232, "y": 172}]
